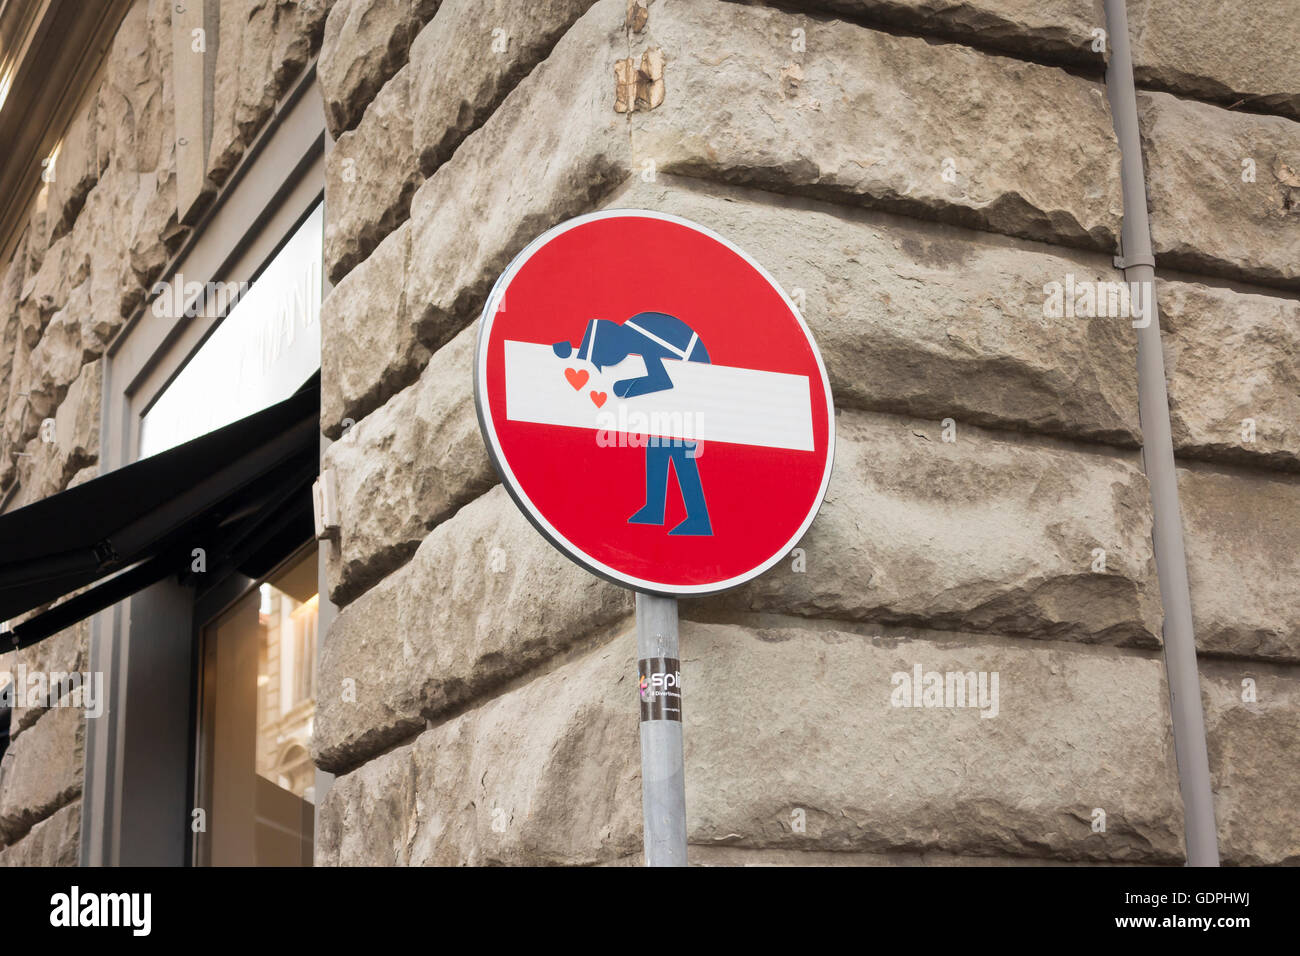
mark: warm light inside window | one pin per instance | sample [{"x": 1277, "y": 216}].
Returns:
[
  {"x": 257, "y": 708},
  {"x": 307, "y": 608}
]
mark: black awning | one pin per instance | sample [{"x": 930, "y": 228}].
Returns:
[{"x": 231, "y": 492}]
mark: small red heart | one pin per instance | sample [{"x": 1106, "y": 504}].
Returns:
[
  {"x": 577, "y": 377},
  {"x": 598, "y": 398}
]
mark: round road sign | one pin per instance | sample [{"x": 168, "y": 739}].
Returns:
[{"x": 654, "y": 402}]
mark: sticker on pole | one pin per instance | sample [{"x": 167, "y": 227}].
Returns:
[{"x": 654, "y": 402}]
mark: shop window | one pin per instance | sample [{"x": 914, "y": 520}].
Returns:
[
  {"x": 265, "y": 347},
  {"x": 256, "y": 781}
]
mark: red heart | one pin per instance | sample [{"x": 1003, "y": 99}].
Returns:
[
  {"x": 577, "y": 377},
  {"x": 598, "y": 398}
]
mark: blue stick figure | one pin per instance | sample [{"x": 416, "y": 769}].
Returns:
[{"x": 655, "y": 336}]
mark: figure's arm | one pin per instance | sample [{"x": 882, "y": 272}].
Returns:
[{"x": 655, "y": 379}]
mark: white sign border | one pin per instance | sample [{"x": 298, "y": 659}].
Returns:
[{"x": 538, "y": 520}]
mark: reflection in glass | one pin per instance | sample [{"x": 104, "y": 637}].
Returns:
[{"x": 258, "y": 698}]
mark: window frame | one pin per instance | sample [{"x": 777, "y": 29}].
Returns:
[
  {"x": 140, "y": 756},
  {"x": 208, "y": 608}
]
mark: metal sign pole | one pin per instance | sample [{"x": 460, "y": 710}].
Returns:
[{"x": 663, "y": 776}]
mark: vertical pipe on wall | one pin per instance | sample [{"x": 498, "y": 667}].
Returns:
[{"x": 1158, "y": 461}]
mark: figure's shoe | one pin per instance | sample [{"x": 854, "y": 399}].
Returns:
[
  {"x": 694, "y": 526},
  {"x": 647, "y": 515}
]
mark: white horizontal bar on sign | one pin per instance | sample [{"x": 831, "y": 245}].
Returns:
[{"x": 707, "y": 402}]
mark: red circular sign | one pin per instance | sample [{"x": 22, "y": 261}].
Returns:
[{"x": 653, "y": 402}]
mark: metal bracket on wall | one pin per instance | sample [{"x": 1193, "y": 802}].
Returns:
[
  {"x": 325, "y": 509},
  {"x": 1124, "y": 262}
]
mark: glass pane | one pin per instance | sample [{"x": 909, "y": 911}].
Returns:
[
  {"x": 257, "y": 781},
  {"x": 261, "y": 353}
]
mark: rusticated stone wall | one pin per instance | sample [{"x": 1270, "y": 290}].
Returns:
[
  {"x": 98, "y": 239},
  {"x": 914, "y": 173}
]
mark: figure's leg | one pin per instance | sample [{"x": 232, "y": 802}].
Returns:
[
  {"x": 656, "y": 486},
  {"x": 688, "y": 480}
]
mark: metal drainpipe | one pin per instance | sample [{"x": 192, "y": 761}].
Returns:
[{"x": 1158, "y": 459}]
